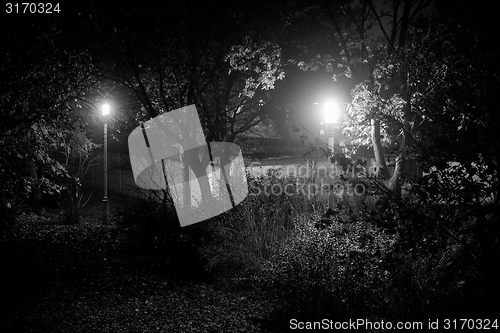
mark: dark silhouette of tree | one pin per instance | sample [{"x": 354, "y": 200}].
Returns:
[
  {"x": 43, "y": 78},
  {"x": 456, "y": 81},
  {"x": 224, "y": 59}
]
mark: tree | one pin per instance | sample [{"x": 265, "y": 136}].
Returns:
[
  {"x": 457, "y": 77},
  {"x": 43, "y": 77},
  {"x": 76, "y": 149},
  {"x": 225, "y": 60},
  {"x": 371, "y": 46}
]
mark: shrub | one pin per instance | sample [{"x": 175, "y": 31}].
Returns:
[
  {"x": 436, "y": 271},
  {"x": 335, "y": 272},
  {"x": 71, "y": 204}
]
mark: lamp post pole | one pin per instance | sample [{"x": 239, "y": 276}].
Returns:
[
  {"x": 105, "y": 201},
  {"x": 332, "y": 114},
  {"x": 331, "y": 145}
]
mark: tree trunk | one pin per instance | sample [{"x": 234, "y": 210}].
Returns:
[
  {"x": 36, "y": 190},
  {"x": 192, "y": 160},
  {"x": 395, "y": 181},
  {"x": 377, "y": 151}
]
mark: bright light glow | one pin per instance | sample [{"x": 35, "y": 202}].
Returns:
[
  {"x": 331, "y": 113},
  {"x": 105, "y": 109}
]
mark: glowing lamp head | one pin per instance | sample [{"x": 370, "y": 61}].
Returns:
[
  {"x": 332, "y": 113},
  {"x": 105, "y": 109}
]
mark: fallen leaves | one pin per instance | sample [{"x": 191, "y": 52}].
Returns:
[{"x": 84, "y": 278}]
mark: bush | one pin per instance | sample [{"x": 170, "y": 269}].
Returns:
[
  {"x": 336, "y": 272},
  {"x": 436, "y": 271},
  {"x": 433, "y": 267},
  {"x": 71, "y": 205}
]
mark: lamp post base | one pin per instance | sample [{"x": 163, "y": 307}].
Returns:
[
  {"x": 332, "y": 207},
  {"x": 105, "y": 211}
]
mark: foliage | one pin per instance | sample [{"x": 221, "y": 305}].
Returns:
[
  {"x": 456, "y": 83},
  {"x": 428, "y": 85},
  {"x": 409, "y": 261},
  {"x": 245, "y": 237},
  {"x": 77, "y": 151},
  {"x": 448, "y": 224},
  {"x": 434, "y": 266},
  {"x": 369, "y": 43},
  {"x": 43, "y": 76},
  {"x": 366, "y": 106},
  {"x": 72, "y": 204},
  {"x": 224, "y": 59},
  {"x": 337, "y": 271}
]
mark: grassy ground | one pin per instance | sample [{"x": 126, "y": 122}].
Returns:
[{"x": 87, "y": 278}]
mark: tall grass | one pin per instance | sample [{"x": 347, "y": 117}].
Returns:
[
  {"x": 248, "y": 235},
  {"x": 72, "y": 202}
]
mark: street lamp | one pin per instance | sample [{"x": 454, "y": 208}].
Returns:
[
  {"x": 105, "y": 213},
  {"x": 332, "y": 122}
]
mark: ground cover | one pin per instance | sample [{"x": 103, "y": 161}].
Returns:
[{"x": 87, "y": 278}]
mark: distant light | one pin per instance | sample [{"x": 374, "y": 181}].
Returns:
[
  {"x": 105, "y": 109},
  {"x": 331, "y": 113}
]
